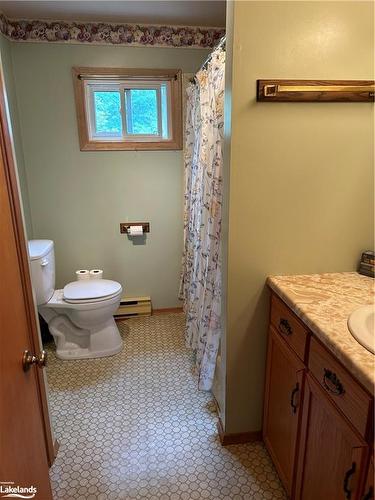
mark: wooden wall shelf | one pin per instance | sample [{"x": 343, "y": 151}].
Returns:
[{"x": 315, "y": 90}]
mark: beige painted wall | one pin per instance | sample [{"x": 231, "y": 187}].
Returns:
[
  {"x": 8, "y": 73},
  {"x": 301, "y": 174},
  {"x": 79, "y": 198}
]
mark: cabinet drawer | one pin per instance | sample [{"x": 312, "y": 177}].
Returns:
[
  {"x": 346, "y": 393},
  {"x": 289, "y": 326}
]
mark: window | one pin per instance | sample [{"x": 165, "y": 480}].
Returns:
[{"x": 123, "y": 109}]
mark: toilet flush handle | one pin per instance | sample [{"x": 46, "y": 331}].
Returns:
[{"x": 44, "y": 262}]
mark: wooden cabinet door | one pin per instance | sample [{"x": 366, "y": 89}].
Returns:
[
  {"x": 332, "y": 455},
  {"x": 368, "y": 493},
  {"x": 283, "y": 391}
]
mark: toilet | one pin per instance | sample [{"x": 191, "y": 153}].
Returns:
[{"x": 80, "y": 316}]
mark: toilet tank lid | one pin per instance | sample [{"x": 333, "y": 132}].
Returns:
[{"x": 39, "y": 248}]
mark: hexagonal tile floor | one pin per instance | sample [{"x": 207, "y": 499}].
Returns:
[{"x": 134, "y": 425}]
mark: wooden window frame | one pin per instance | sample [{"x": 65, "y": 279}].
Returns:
[{"x": 173, "y": 76}]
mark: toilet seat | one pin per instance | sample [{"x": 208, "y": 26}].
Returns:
[
  {"x": 92, "y": 301},
  {"x": 91, "y": 291},
  {"x": 57, "y": 301}
]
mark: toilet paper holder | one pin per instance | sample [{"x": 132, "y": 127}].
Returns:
[{"x": 124, "y": 226}]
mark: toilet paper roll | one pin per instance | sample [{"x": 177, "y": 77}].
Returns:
[
  {"x": 83, "y": 274},
  {"x": 135, "y": 230},
  {"x": 96, "y": 274}
]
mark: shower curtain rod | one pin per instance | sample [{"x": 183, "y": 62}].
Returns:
[{"x": 220, "y": 45}]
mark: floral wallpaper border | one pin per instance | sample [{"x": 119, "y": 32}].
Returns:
[{"x": 109, "y": 34}]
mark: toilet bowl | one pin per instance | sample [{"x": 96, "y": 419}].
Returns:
[{"x": 79, "y": 316}]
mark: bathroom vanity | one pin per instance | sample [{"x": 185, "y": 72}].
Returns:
[{"x": 318, "y": 409}]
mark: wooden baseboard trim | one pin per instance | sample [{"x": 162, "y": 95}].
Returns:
[
  {"x": 167, "y": 310},
  {"x": 239, "y": 438}
]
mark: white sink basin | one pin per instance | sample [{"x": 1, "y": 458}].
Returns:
[{"x": 361, "y": 324}]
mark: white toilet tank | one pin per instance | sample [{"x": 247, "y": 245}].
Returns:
[{"x": 42, "y": 263}]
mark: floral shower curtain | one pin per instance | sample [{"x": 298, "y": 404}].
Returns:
[{"x": 200, "y": 286}]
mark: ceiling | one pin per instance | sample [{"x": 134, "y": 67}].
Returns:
[{"x": 173, "y": 12}]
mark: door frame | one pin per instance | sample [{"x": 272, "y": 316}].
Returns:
[{"x": 8, "y": 152}]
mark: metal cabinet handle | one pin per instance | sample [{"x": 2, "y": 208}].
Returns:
[
  {"x": 285, "y": 327},
  {"x": 293, "y": 404},
  {"x": 29, "y": 359},
  {"x": 332, "y": 383},
  {"x": 370, "y": 494},
  {"x": 348, "y": 475}
]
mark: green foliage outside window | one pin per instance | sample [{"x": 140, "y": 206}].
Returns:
[
  {"x": 108, "y": 113},
  {"x": 142, "y": 115}
]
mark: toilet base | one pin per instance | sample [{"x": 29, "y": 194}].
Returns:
[{"x": 78, "y": 343}]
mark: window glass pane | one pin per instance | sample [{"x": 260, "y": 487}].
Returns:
[
  {"x": 142, "y": 111},
  {"x": 108, "y": 113},
  {"x": 164, "y": 111}
]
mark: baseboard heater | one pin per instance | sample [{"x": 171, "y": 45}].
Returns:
[{"x": 133, "y": 306}]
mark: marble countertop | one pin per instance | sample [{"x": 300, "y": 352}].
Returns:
[{"x": 324, "y": 302}]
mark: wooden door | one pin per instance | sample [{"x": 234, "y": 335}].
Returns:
[
  {"x": 284, "y": 384},
  {"x": 332, "y": 454},
  {"x": 25, "y": 437}
]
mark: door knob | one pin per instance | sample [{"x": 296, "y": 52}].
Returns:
[{"x": 29, "y": 359}]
